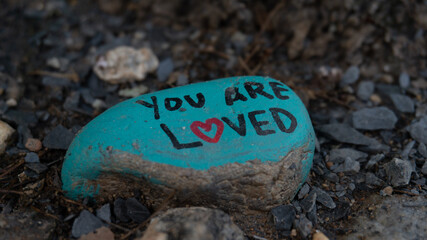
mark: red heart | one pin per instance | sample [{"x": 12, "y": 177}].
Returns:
[{"x": 207, "y": 127}]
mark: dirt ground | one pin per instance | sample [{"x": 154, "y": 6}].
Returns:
[{"x": 48, "y": 49}]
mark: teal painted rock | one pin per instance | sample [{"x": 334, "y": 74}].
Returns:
[{"x": 234, "y": 141}]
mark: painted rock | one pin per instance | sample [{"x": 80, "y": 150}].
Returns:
[{"x": 234, "y": 142}]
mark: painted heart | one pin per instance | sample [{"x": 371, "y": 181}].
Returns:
[{"x": 196, "y": 125}]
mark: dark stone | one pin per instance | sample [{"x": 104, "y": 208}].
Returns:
[
  {"x": 308, "y": 203},
  {"x": 365, "y": 90},
  {"x": 422, "y": 150},
  {"x": 120, "y": 210},
  {"x": 407, "y": 149},
  {"x": 374, "y": 118},
  {"x": 374, "y": 160},
  {"x": 324, "y": 198},
  {"x": 304, "y": 226},
  {"x": 349, "y": 166},
  {"x": 303, "y": 191},
  {"x": 424, "y": 169},
  {"x": 373, "y": 180},
  {"x": 32, "y": 158},
  {"x": 165, "y": 69},
  {"x": 21, "y": 117},
  {"x": 402, "y": 103},
  {"x": 418, "y": 130},
  {"x": 58, "y": 138},
  {"x": 283, "y": 217},
  {"x": 37, "y": 167},
  {"x": 136, "y": 211},
  {"x": 339, "y": 155},
  {"x": 53, "y": 81},
  {"x": 182, "y": 80},
  {"x": 85, "y": 223},
  {"x": 71, "y": 102},
  {"x": 104, "y": 213},
  {"x": 404, "y": 80},
  {"x": 398, "y": 172},
  {"x": 312, "y": 215},
  {"x": 350, "y": 76},
  {"x": 346, "y": 134}
]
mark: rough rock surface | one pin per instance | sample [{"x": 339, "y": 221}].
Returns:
[
  {"x": 374, "y": 119},
  {"x": 25, "y": 224},
  {"x": 195, "y": 223},
  {"x": 392, "y": 217}
]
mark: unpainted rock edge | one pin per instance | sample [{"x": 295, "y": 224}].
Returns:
[{"x": 256, "y": 185}]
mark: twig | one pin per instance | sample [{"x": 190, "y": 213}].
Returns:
[
  {"x": 245, "y": 66},
  {"x": 405, "y": 192},
  {"x": 161, "y": 207},
  {"x": 72, "y": 76},
  {"x": 217, "y": 53},
  {"x": 12, "y": 191},
  {"x": 12, "y": 168},
  {"x": 271, "y": 15},
  {"x": 45, "y": 213},
  {"x": 72, "y": 201}
]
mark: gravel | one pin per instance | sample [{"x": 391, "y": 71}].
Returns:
[
  {"x": 136, "y": 211},
  {"x": 365, "y": 90},
  {"x": 418, "y": 130},
  {"x": 339, "y": 155},
  {"x": 85, "y": 223},
  {"x": 283, "y": 217},
  {"x": 402, "y": 103},
  {"x": 324, "y": 198},
  {"x": 165, "y": 69},
  {"x": 404, "y": 80},
  {"x": 346, "y": 134},
  {"x": 58, "y": 138},
  {"x": 32, "y": 158},
  {"x": 398, "y": 172},
  {"x": 374, "y": 119},
  {"x": 104, "y": 212},
  {"x": 350, "y": 76}
]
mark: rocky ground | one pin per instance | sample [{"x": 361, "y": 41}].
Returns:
[{"x": 359, "y": 66}]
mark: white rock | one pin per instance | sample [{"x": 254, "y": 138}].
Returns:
[
  {"x": 133, "y": 92},
  {"x": 125, "y": 64},
  {"x": 6, "y": 132}
]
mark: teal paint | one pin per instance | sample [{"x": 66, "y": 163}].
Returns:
[{"x": 133, "y": 127}]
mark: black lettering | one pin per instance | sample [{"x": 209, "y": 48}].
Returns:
[
  {"x": 257, "y": 124},
  {"x": 151, "y": 105},
  {"x": 200, "y": 100},
  {"x": 168, "y": 106},
  {"x": 275, "y": 113},
  {"x": 175, "y": 141},
  {"x": 277, "y": 89},
  {"x": 232, "y": 94},
  {"x": 253, "y": 93},
  {"x": 241, "y": 129}
]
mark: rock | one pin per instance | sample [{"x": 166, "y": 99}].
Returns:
[
  {"x": 349, "y": 166},
  {"x": 339, "y": 155},
  {"x": 104, "y": 213},
  {"x": 103, "y": 233},
  {"x": 58, "y": 138},
  {"x": 37, "y": 167},
  {"x": 182, "y": 80},
  {"x": 283, "y": 217},
  {"x": 387, "y": 191},
  {"x": 32, "y": 158},
  {"x": 418, "y": 130},
  {"x": 303, "y": 191},
  {"x": 195, "y": 223},
  {"x": 373, "y": 180},
  {"x": 346, "y": 134},
  {"x": 422, "y": 149},
  {"x": 21, "y": 117},
  {"x": 33, "y": 144},
  {"x": 6, "y": 133},
  {"x": 257, "y": 135},
  {"x": 324, "y": 198},
  {"x": 402, "y": 103},
  {"x": 136, "y": 211},
  {"x": 350, "y": 76},
  {"x": 404, "y": 80},
  {"x": 407, "y": 149},
  {"x": 133, "y": 92},
  {"x": 26, "y": 224},
  {"x": 319, "y": 236},
  {"x": 398, "y": 172},
  {"x": 85, "y": 223},
  {"x": 365, "y": 90},
  {"x": 125, "y": 64},
  {"x": 394, "y": 217},
  {"x": 374, "y": 119},
  {"x": 308, "y": 203},
  {"x": 424, "y": 168},
  {"x": 165, "y": 69},
  {"x": 120, "y": 210},
  {"x": 304, "y": 226}
]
